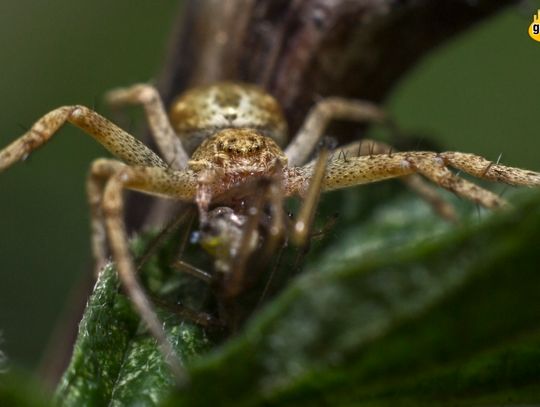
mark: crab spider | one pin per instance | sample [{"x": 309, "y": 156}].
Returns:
[{"x": 220, "y": 137}]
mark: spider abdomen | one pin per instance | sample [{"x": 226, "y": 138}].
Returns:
[{"x": 201, "y": 112}]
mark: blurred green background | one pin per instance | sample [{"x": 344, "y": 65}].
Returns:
[{"x": 479, "y": 94}]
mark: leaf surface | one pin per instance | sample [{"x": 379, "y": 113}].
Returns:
[{"x": 400, "y": 308}]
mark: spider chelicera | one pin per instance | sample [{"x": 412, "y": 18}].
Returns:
[{"x": 233, "y": 132}]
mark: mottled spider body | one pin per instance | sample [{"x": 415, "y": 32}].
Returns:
[{"x": 233, "y": 133}]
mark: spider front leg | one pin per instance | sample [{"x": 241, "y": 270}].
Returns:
[
  {"x": 366, "y": 169},
  {"x": 120, "y": 143},
  {"x": 168, "y": 142},
  {"x": 156, "y": 181}
]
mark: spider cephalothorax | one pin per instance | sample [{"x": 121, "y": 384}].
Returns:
[
  {"x": 236, "y": 154},
  {"x": 233, "y": 132}
]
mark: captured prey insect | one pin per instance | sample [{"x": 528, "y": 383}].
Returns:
[{"x": 221, "y": 148}]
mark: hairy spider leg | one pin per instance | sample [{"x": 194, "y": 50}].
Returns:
[
  {"x": 155, "y": 181},
  {"x": 167, "y": 140},
  {"x": 301, "y": 230},
  {"x": 415, "y": 182},
  {"x": 100, "y": 171},
  {"x": 120, "y": 143},
  {"x": 326, "y": 110},
  {"x": 367, "y": 169}
]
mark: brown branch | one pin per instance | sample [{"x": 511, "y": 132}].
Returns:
[{"x": 304, "y": 49}]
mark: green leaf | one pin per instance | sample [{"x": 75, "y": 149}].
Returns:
[
  {"x": 114, "y": 361},
  {"x": 400, "y": 308}
]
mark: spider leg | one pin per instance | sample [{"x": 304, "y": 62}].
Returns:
[
  {"x": 366, "y": 169},
  {"x": 156, "y": 181},
  {"x": 184, "y": 216},
  {"x": 318, "y": 118},
  {"x": 168, "y": 142},
  {"x": 415, "y": 182},
  {"x": 197, "y": 317},
  {"x": 434, "y": 169},
  {"x": 429, "y": 194},
  {"x": 113, "y": 138},
  {"x": 482, "y": 168},
  {"x": 276, "y": 230},
  {"x": 100, "y": 171},
  {"x": 302, "y": 226},
  {"x": 187, "y": 268}
]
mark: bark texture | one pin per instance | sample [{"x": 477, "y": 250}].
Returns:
[{"x": 301, "y": 50}]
